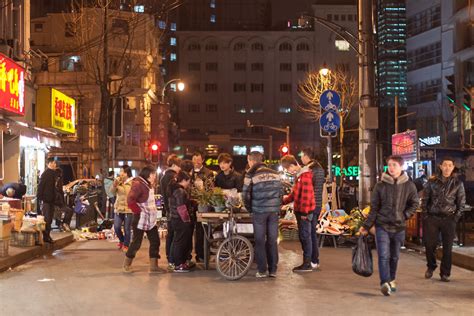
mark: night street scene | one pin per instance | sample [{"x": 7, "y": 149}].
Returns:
[{"x": 237, "y": 157}]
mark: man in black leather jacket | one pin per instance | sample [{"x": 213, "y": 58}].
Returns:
[{"x": 442, "y": 205}]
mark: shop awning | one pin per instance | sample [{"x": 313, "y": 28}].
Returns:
[{"x": 46, "y": 137}]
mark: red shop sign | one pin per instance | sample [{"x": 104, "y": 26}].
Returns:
[{"x": 12, "y": 86}]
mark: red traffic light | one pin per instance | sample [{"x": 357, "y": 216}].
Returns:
[
  {"x": 284, "y": 150},
  {"x": 155, "y": 147}
]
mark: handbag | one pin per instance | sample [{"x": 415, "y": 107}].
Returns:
[{"x": 183, "y": 213}]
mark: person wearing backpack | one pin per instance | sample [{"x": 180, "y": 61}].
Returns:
[{"x": 394, "y": 200}]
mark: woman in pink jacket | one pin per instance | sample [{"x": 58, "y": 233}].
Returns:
[{"x": 141, "y": 200}]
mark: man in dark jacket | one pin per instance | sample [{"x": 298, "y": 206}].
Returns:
[
  {"x": 262, "y": 194},
  {"x": 393, "y": 201},
  {"x": 443, "y": 202},
  {"x": 228, "y": 178},
  {"x": 47, "y": 195},
  {"x": 307, "y": 158},
  {"x": 13, "y": 190},
  {"x": 174, "y": 166}
]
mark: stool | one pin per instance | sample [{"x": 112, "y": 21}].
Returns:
[{"x": 322, "y": 237}]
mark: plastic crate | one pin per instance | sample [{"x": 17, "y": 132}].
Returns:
[
  {"x": 4, "y": 244},
  {"x": 23, "y": 239},
  {"x": 289, "y": 234}
]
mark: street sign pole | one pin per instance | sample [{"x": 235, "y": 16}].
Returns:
[
  {"x": 329, "y": 147},
  {"x": 329, "y": 122}
]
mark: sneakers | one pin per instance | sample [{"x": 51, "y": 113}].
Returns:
[
  {"x": 191, "y": 264},
  {"x": 127, "y": 265},
  {"x": 124, "y": 248},
  {"x": 444, "y": 278},
  {"x": 303, "y": 268},
  {"x": 428, "y": 273},
  {"x": 393, "y": 286},
  {"x": 315, "y": 266},
  {"x": 66, "y": 227},
  {"x": 385, "y": 289},
  {"x": 272, "y": 275},
  {"x": 182, "y": 268},
  {"x": 171, "y": 267},
  {"x": 119, "y": 246},
  {"x": 260, "y": 275}
]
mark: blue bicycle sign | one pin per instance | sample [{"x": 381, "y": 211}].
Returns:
[
  {"x": 330, "y": 101},
  {"x": 330, "y": 122}
]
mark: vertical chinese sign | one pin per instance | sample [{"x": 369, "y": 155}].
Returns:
[{"x": 12, "y": 86}]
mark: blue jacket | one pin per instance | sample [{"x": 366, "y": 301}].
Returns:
[{"x": 263, "y": 190}]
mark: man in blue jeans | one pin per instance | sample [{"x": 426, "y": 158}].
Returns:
[
  {"x": 262, "y": 194},
  {"x": 393, "y": 201}
]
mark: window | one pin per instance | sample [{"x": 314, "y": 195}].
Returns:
[
  {"x": 422, "y": 92},
  {"x": 258, "y": 148},
  {"x": 139, "y": 9},
  {"x": 194, "y": 67},
  {"x": 240, "y": 66},
  {"x": 285, "y": 47},
  {"x": 302, "y": 46},
  {"x": 239, "y": 46},
  {"x": 70, "y": 29},
  {"x": 256, "y": 109},
  {"x": 424, "y": 21},
  {"x": 173, "y": 27},
  {"x": 211, "y": 108},
  {"x": 195, "y": 87},
  {"x": 349, "y": 17},
  {"x": 239, "y": 87},
  {"x": 162, "y": 25},
  {"x": 342, "y": 45},
  {"x": 212, "y": 4},
  {"x": 257, "y": 130},
  {"x": 424, "y": 56},
  {"x": 211, "y": 66},
  {"x": 256, "y": 87},
  {"x": 336, "y": 17},
  {"x": 173, "y": 87},
  {"x": 194, "y": 108},
  {"x": 120, "y": 26},
  {"x": 343, "y": 17},
  {"x": 39, "y": 27},
  {"x": 173, "y": 41},
  {"x": 194, "y": 46},
  {"x": 213, "y": 18},
  {"x": 211, "y": 46},
  {"x": 285, "y": 109},
  {"x": 302, "y": 67},
  {"x": 285, "y": 67},
  {"x": 239, "y": 150},
  {"x": 240, "y": 108},
  {"x": 257, "y": 66},
  {"x": 173, "y": 57},
  {"x": 210, "y": 87},
  {"x": 71, "y": 63},
  {"x": 329, "y": 17},
  {"x": 257, "y": 46},
  {"x": 285, "y": 87}
]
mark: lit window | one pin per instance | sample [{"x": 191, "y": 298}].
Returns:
[
  {"x": 213, "y": 4},
  {"x": 173, "y": 41},
  {"x": 139, "y": 8},
  {"x": 258, "y": 148},
  {"x": 213, "y": 18},
  {"x": 342, "y": 45},
  {"x": 173, "y": 27},
  {"x": 239, "y": 150},
  {"x": 240, "y": 108},
  {"x": 173, "y": 87},
  {"x": 162, "y": 24},
  {"x": 285, "y": 109},
  {"x": 173, "y": 57}
]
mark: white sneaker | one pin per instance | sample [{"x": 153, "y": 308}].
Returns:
[
  {"x": 385, "y": 289},
  {"x": 315, "y": 266},
  {"x": 261, "y": 275}
]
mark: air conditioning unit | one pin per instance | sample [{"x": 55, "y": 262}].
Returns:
[{"x": 17, "y": 52}]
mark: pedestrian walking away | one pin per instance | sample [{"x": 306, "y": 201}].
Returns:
[
  {"x": 141, "y": 200},
  {"x": 123, "y": 214},
  {"x": 442, "y": 204},
  {"x": 262, "y": 194},
  {"x": 394, "y": 200},
  {"x": 307, "y": 158},
  {"x": 302, "y": 196},
  {"x": 47, "y": 195}
]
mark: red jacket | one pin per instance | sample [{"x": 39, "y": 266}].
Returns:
[
  {"x": 302, "y": 193},
  {"x": 138, "y": 194}
]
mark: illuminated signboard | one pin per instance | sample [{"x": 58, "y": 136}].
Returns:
[
  {"x": 55, "y": 110},
  {"x": 12, "y": 86},
  {"x": 405, "y": 145}
]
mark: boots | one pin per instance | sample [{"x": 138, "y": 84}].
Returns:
[
  {"x": 127, "y": 265},
  {"x": 154, "y": 265},
  {"x": 305, "y": 267}
]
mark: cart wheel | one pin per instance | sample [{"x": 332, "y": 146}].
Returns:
[{"x": 234, "y": 257}]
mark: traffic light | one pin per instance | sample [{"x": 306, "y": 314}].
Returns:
[
  {"x": 155, "y": 151},
  {"x": 467, "y": 98},
  {"x": 284, "y": 150},
  {"x": 451, "y": 89}
]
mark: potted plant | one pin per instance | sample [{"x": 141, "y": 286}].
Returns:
[
  {"x": 203, "y": 199},
  {"x": 217, "y": 199}
]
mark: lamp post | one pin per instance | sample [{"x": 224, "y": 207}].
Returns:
[
  {"x": 285, "y": 130},
  {"x": 181, "y": 87}
]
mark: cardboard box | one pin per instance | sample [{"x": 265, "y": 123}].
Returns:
[{"x": 6, "y": 227}]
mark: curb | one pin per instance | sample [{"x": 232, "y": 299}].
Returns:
[
  {"x": 31, "y": 253},
  {"x": 458, "y": 259}
]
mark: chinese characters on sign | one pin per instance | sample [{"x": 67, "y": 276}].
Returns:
[
  {"x": 63, "y": 111},
  {"x": 12, "y": 86},
  {"x": 405, "y": 145}
]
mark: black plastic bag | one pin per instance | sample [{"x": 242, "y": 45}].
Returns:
[{"x": 362, "y": 263}]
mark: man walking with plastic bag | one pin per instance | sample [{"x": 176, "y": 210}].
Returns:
[{"x": 393, "y": 201}]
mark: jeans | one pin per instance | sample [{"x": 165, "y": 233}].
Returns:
[
  {"x": 432, "y": 227},
  {"x": 304, "y": 233},
  {"x": 388, "y": 250},
  {"x": 126, "y": 220},
  {"x": 169, "y": 242},
  {"x": 180, "y": 245},
  {"x": 265, "y": 227},
  {"x": 47, "y": 210},
  {"x": 152, "y": 235},
  {"x": 314, "y": 236}
]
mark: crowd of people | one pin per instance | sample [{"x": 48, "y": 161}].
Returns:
[{"x": 394, "y": 199}]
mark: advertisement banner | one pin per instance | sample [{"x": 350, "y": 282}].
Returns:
[
  {"x": 55, "y": 110},
  {"x": 12, "y": 86},
  {"x": 405, "y": 145}
]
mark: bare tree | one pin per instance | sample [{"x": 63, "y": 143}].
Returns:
[{"x": 315, "y": 83}]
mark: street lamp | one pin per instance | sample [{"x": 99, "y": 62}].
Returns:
[
  {"x": 285, "y": 130},
  {"x": 324, "y": 71},
  {"x": 181, "y": 87}
]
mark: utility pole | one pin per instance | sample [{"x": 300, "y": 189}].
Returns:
[
  {"x": 367, "y": 139},
  {"x": 396, "y": 114}
]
